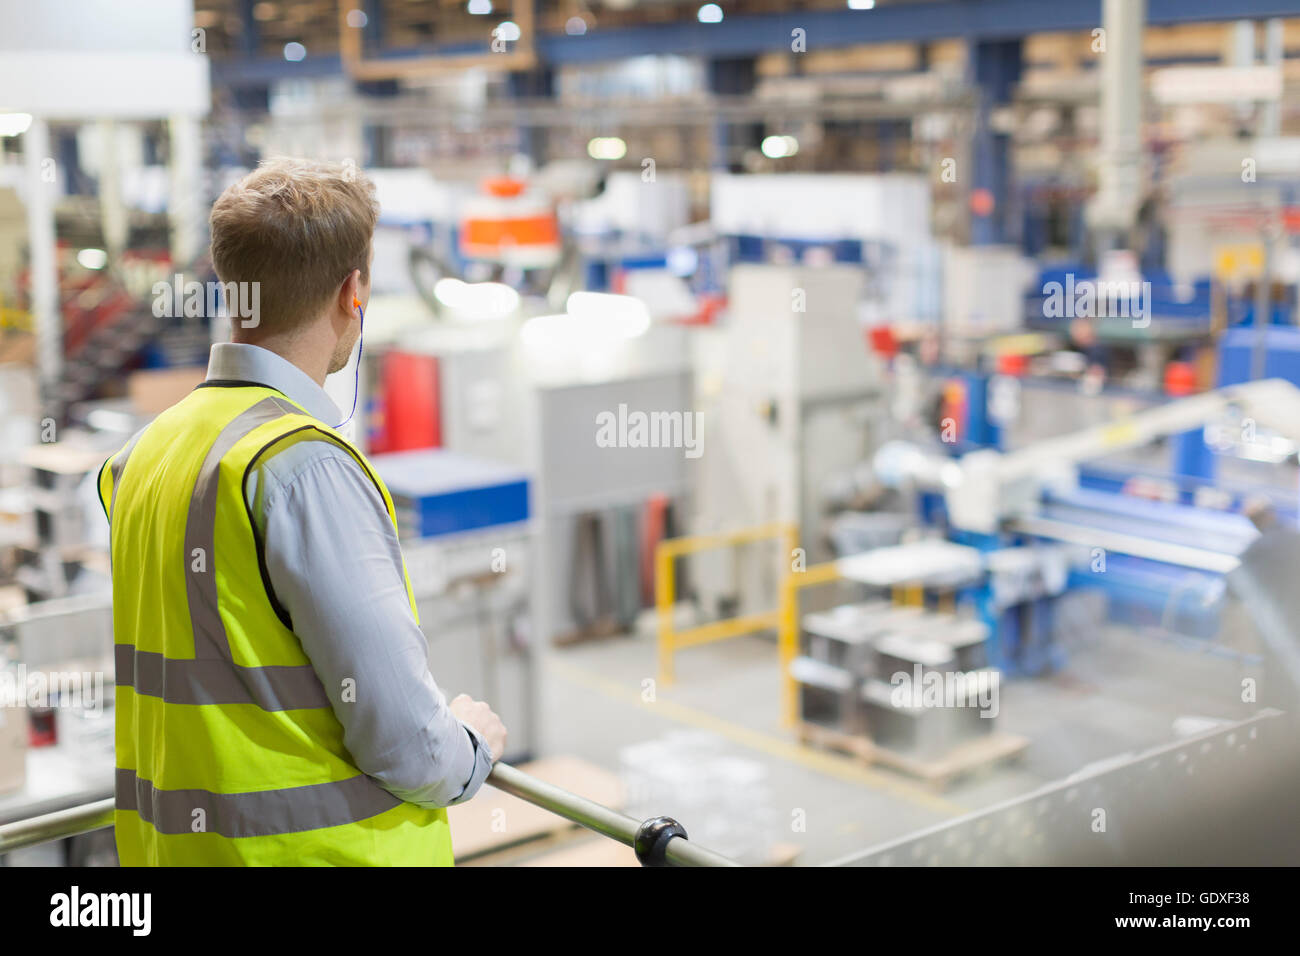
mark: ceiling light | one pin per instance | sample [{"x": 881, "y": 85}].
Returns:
[
  {"x": 606, "y": 147},
  {"x": 779, "y": 147},
  {"x": 14, "y": 124}
]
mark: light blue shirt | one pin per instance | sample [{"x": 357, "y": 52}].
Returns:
[{"x": 335, "y": 566}]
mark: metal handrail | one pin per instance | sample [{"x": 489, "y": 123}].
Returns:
[
  {"x": 58, "y": 825},
  {"x": 659, "y": 841}
]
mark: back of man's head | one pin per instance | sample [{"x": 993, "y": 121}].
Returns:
[{"x": 297, "y": 228}]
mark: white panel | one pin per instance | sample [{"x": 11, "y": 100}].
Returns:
[
  {"x": 579, "y": 475},
  {"x": 84, "y": 85},
  {"x": 984, "y": 288},
  {"x": 124, "y": 26},
  {"x": 83, "y": 59},
  {"x": 890, "y": 207}
]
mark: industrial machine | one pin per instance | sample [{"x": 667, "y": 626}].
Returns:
[
  {"x": 790, "y": 382},
  {"x": 1001, "y": 503}
]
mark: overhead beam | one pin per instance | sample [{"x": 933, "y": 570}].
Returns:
[
  {"x": 740, "y": 36},
  {"x": 887, "y": 23}
]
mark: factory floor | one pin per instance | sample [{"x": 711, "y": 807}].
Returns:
[{"x": 1119, "y": 692}]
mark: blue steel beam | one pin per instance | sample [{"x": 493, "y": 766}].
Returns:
[
  {"x": 887, "y": 23},
  {"x": 739, "y": 36},
  {"x": 264, "y": 70}
]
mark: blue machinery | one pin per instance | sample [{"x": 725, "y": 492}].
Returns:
[{"x": 1161, "y": 563}]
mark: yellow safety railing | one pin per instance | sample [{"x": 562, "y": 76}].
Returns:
[
  {"x": 667, "y": 551},
  {"x": 788, "y": 635},
  {"x": 784, "y": 618}
]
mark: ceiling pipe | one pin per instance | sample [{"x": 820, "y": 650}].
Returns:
[{"x": 1119, "y": 181}]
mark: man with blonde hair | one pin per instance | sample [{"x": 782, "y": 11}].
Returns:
[{"x": 274, "y": 700}]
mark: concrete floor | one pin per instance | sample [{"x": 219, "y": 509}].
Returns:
[{"x": 1119, "y": 692}]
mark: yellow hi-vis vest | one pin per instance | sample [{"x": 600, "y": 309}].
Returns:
[{"x": 228, "y": 752}]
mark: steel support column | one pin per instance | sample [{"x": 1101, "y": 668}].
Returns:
[
  {"x": 46, "y": 314},
  {"x": 733, "y": 77},
  {"x": 995, "y": 68}
]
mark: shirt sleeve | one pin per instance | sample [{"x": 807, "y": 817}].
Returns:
[{"x": 335, "y": 566}]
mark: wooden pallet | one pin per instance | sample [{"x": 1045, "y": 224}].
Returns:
[{"x": 940, "y": 772}]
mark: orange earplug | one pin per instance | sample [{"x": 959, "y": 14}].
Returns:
[{"x": 356, "y": 302}]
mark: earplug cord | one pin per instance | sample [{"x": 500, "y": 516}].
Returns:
[{"x": 356, "y": 380}]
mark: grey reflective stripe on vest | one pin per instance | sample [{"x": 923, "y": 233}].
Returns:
[
  {"x": 201, "y": 529},
  {"x": 115, "y": 472},
  {"x": 212, "y": 681},
  {"x": 115, "y": 469},
  {"x": 254, "y": 813}
]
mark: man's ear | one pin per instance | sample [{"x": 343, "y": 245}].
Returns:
[{"x": 350, "y": 293}]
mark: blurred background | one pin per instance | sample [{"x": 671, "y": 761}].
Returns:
[{"x": 726, "y": 361}]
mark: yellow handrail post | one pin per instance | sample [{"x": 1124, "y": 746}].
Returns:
[
  {"x": 788, "y": 636},
  {"x": 665, "y": 588},
  {"x": 789, "y": 643},
  {"x": 795, "y": 581}
]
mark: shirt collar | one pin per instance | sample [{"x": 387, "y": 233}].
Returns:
[{"x": 240, "y": 362}]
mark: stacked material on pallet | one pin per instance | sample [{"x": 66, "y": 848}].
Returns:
[{"x": 914, "y": 681}]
